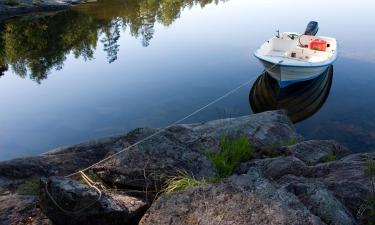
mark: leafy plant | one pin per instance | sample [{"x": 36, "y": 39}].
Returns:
[
  {"x": 29, "y": 187},
  {"x": 231, "y": 153},
  {"x": 181, "y": 182}
]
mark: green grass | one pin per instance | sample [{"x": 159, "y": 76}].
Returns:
[
  {"x": 330, "y": 157},
  {"x": 231, "y": 153},
  {"x": 181, "y": 182},
  {"x": 29, "y": 187},
  {"x": 292, "y": 141},
  {"x": 11, "y": 2}
]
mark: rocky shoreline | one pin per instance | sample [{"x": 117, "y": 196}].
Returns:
[
  {"x": 13, "y": 8},
  {"x": 288, "y": 180}
]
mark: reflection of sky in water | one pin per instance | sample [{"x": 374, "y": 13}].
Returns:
[{"x": 203, "y": 54}]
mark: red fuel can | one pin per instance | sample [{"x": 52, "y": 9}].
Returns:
[{"x": 318, "y": 44}]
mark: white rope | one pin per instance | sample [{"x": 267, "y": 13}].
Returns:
[
  {"x": 172, "y": 124},
  {"x": 92, "y": 184}
]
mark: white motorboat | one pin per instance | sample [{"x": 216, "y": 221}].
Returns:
[{"x": 292, "y": 57}]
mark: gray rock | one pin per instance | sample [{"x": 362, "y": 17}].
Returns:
[
  {"x": 319, "y": 200},
  {"x": 80, "y": 204},
  {"x": 21, "y": 210},
  {"x": 341, "y": 182},
  {"x": 149, "y": 164},
  {"x": 60, "y": 161},
  {"x": 265, "y": 129},
  {"x": 275, "y": 168},
  {"x": 246, "y": 199},
  {"x": 183, "y": 148},
  {"x": 315, "y": 151},
  {"x": 346, "y": 178}
]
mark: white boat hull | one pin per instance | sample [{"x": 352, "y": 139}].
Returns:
[
  {"x": 287, "y": 75},
  {"x": 289, "y": 59}
]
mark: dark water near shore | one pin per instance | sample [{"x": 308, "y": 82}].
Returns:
[{"x": 108, "y": 67}]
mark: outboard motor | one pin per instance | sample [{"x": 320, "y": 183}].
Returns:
[{"x": 312, "y": 28}]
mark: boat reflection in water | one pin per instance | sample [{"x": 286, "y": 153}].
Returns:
[{"x": 301, "y": 100}]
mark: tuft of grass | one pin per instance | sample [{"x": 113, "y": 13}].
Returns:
[
  {"x": 292, "y": 141},
  {"x": 231, "y": 153},
  {"x": 29, "y": 187},
  {"x": 11, "y": 2},
  {"x": 330, "y": 157},
  {"x": 181, "y": 182}
]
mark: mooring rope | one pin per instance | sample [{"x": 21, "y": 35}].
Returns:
[
  {"x": 172, "y": 124},
  {"x": 93, "y": 184}
]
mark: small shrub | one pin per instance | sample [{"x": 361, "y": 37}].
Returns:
[
  {"x": 181, "y": 182},
  {"x": 11, "y": 2},
  {"x": 29, "y": 187},
  {"x": 330, "y": 157},
  {"x": 231, "y": 153}
]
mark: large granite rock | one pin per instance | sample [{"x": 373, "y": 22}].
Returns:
[
  {"x": 272, "y": 128},
  {"x": 296, "y": 187},
  {"x": 21, "y": 210},
  {"x": 183, "y": 148},
  {"x": 78, "y": 204},
  {"x": 148, "y": 165},
  {"x": 334, "y": 190},
  {"x": 319, "y": 200},
  {"x": 60, "y": 161},
  {"x": 242, "y": 200},
  {"x": 13, "y": 207},
  {"x": 346, "y": 178}
]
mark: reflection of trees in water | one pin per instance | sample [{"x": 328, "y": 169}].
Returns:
[
  {"x": 3, "y": 69},
  {"x": 40, "y": 45},
  {"x": 112, "y": 34},
  {"x": 35, "y": 47}
]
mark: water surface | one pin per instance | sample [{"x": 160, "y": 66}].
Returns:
[{"x": 111, "y": 66}]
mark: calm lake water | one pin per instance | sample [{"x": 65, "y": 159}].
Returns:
[{"x": 111, "y": 66}]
